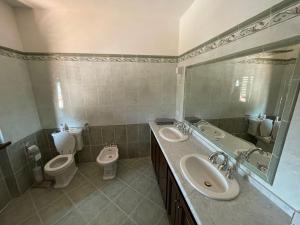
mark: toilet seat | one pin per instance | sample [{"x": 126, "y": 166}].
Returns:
[{"x": 59, "y": 164}]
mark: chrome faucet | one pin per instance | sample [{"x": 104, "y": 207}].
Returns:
[
  {"x": 213, "y": 158},
  {"x": 251, "y": 151},
  {"x": 242, "y": 156},
  {"x": 182, "y": 127},
  {"x": 202, "y": 121}
]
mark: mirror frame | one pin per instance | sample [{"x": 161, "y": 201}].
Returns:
[{"x": 269, "y": 176}]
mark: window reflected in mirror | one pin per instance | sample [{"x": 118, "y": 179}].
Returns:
[{"x": 245, "y": 103}]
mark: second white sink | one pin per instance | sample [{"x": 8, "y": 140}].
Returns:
[
  {"x": 211, "y": 131},
  {"x": 172, "y": 134},
  {"x": 207, "y": 179}
]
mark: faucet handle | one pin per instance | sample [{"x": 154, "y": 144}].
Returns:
[
  {"x": 213, "y": 157},
  {"x": 222, "y": 166},
  {"x": 230, "y": 171}
]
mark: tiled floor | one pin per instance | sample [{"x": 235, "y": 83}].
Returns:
[{"x": 132, "y": 198}]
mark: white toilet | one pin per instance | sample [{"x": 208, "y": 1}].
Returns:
[
  {"x": 107, "y": 159},
  {"x": 63, "y": 167}
]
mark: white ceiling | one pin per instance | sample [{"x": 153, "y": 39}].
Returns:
[{"x": 149, "y": 7}]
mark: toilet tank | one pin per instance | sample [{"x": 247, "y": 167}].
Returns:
[{"x": 77, "y": 134}]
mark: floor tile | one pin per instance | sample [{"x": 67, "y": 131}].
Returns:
[
  {"x": 79, "y": 194},
  {"x": 44, "y": 196},
  {"x": 77, "y": 180},
  {"x": 33, "y": 220},
  {"x": 149, "y": 173},
  {"x": 91, "y": 206},
  {"x": 113, "y": 188},
  {"x": 127, "y": 175},
  {"x": 128, "y": 200},
  {"x": 129, "y": 222},
  {"x": 90, "y": 170},
  {"x": 155, "y": 195},
  {"x": 72, "y": 218},
  {"x": 164, "y": 220},
  {"x": 23, "y": 205},
  {"x": 88, "y": 199},
  {"x": 147, "y": 213},
  {"x": 55, "y": 211},
  {"x": 111, "y": 215},
  {"x": 142, "y": 184}
]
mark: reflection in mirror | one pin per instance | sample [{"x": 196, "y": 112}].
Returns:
[{"x": 245, "y": 103}]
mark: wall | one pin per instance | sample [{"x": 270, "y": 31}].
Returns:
[
  {"x": 102, "y": 93},
  {"x": 287, "y": 175},
  {"x": 193, "y": 27},
  {"x": 233, "y": 43},
  {"x": 212, "y": 91},
  {"x": 4, "y": 192},
  {"x": 9, "y": 34},
  {"x": 116, "y": 99},
  {"x": 101, "y": 31},
  {"x": 18, "y": 114}
]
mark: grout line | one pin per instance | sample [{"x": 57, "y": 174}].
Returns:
[
  {"x": 144, "y": 196},
  {"x": 35, "y": 208},
  {"x": 87, "y": 179},
  {"x": 160, "y": 219},
  {"x": 112, "y": 202},
  {"x": 75, "y": 207}
]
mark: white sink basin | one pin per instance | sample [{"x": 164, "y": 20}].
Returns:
[
  {"x": 172, "y": 134},
  {"x": 207, "y": 179},
  {"x": 211, "y": 131}
]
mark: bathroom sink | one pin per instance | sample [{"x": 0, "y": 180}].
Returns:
[
  {"x": 207, "y": 179},
  {"x": 172, "y": 134},
  {"x": 211, "y": 131}
]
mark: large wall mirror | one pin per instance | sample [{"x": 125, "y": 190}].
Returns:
[{"x": 245, "y": 103}]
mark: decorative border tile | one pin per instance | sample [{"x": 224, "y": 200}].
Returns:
[
  {"x": 101, "y": 58},
  {"x": 87, "y": 57},
  {"x": 249, "y": 27},
  {"x": 283, "y": 11},
  {"x": 269, "y": 61}
]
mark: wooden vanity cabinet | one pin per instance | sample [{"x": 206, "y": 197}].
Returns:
[
  {"x": 160, "y": 166},
  {"x": 175, "y": 204}
]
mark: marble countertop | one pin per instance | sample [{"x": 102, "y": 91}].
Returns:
[{"x": 251, "y": 207}]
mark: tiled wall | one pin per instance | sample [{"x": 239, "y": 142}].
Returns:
[
  {"x": 18, "y": 114},
  {"x": 17, "y": 167},
  {"x": 18, "y": 118},
  {"x": 212, "y": 90},
  {"x": 4, "y": 192},
  {"x": 116, "y": 99},
  {"x": 133, "y": 140},
  {"x": 237, "y": 126},
  {"x": 102, "y": 93}
]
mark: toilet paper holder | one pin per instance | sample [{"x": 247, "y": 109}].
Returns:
[{"x": 33, "y": 152}]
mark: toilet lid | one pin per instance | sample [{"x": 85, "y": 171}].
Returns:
[
  {"x": 64, "y": 142},
  {"x": 266, "y": 128}
]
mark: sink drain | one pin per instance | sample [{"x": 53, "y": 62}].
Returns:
[{"x": 207, "y": 184}]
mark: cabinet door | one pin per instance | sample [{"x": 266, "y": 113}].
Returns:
[
  {"x": 155, "y": 154},
  {"x": 185, "y": 217},
  {"x": 162, "y": 176},
  {"x": 173, "y": 198},
  {"x": 153, "y": 146}
]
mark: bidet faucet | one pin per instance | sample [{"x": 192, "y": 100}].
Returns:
[{"x": 213, "y": 158}]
